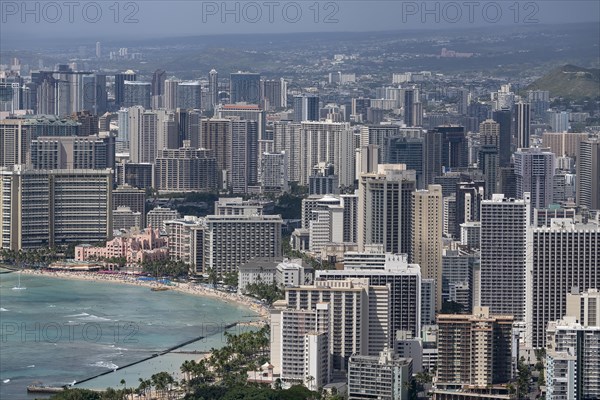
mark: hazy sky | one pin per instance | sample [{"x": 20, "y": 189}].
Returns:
[{"x": 159, "y": 18}]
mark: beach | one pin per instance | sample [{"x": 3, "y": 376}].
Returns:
[
  {"x": 187, "y": 288},
  {"x": 55, "y": 350}
]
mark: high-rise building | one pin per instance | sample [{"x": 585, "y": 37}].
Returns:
[
  {"x": 171, "y": 88},
  {"x": 243, "y": 155},
  {"x": 188, "y": 95},
  {"x": 404, "y": 280},
  {"x": 385, "y": 208},
  {"x": 534, "y": 169},
  {"x": 272, "y": 94},
  {"x": 474, "y": 349},
  {"x": 359, "y": 319},
  {"x": 216, "y": 136},
  {"x": 409, "y": 151},
  {"x": 186, "y": 241},
  {"x": 504, "y": 118},
  {"x": 455, "y": 148},
  {"x": 563, "y": 143},
  {"x": 574, "y": 346},
  {"x": 564, "y": 246},
  {"x": 488, "y": 163},
  {"x": 379, "y": 135},
  {"x": 231, "y": 240},
  {"x": 213, "y": 89},
  {"x": 540, "y": 102},
  {"x": 584, "y": 306},
  {"x": 73, "y": 152},
  {"x": 392, "y": 377},
  {"x": 136, "y": 93},
  {"x": 185, "y": 169},
  {"x": 505, "y": 242},
  {"x": 286, "y": 137},
  {"x": 244, "y": 87},
  {"x": 360, "y": 107},
  {"x": 588, "y": 174},
  {"x": 98, "y": 50},
  {"x": 125, "y": 219},
  {"x": 426, "y": 249},
  {"x": 306, "y": 108},
  {"x": 143, "y": 132},
  {"x": 522, "y": 124},
  {"x": 468, "y": 202},
  {"x": 133, "y": 198},
  {"x": 410, "y": 97},
  {"x": 158, "y": 82},
  {"x": 16, "y": 135},
  {"x": 247, "y": 112},
  {"x": 273, "y": 176},
  {"x": 119, "y": 89},
  {"x": 157, "y": 216},
  {"x": 328, "y": 142},
  {"x": 300, "y": 343},
  {"x": 432, "y": 156},
  {"x": 138, "y": 175},
  {"x": 46, "y": 208}
]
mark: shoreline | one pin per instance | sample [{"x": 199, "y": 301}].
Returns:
[{"x": 199, "y": 290}]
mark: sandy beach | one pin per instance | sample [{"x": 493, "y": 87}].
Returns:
[{"x": 188, "y": 288}]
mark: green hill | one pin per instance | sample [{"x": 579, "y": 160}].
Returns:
[{"x": 570, "y": 81}]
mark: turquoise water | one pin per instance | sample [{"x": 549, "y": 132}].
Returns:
[{"x": 58, "y": 331}]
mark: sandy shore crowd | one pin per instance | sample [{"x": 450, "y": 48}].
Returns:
[{"x": 196, "y": 289}]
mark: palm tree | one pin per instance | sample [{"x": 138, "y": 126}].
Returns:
[{"x": 124, "y": 387}]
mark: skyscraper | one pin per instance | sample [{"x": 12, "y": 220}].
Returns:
[
  {"x": 426, "y": 235},
  {"x": 504, "y": 118},
  {"x": 143, "y": 132},
  {"x": 385, "y": 208},
  {"x": 120, "y": 79},
  {"x": 534, "y": 169},
  {"x": 455, "y": 148},
  {"x": 188, "y": 95},
  {"x": 409, "y": 100},
  {"x": 588, "y": 174},
  {"x": 54, "y": 207},
  {"x": 432, "y": 156},
  {"x": 409, "y": 151},
  {"x": 505, "y": 241},
  {"x": 136, "y": 94},
  {"x": 213, "y": 89},
  {"x": 566, "y": 255},
  {"x": 158, "y": 82},
  {"x": 170, "y": 94},
  {"x": 522, "y": 124},
  {"x": 306, "y": 108},
  {"x": 244, "y": 87},
  {"x": 474, "y": 349}
]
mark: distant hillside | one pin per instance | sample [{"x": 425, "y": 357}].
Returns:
[{"x": 570, "y": 81}]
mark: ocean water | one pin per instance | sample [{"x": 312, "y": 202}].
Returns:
[{"x": 57, "y": 331}]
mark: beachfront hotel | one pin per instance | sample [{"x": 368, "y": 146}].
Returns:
[{"x": 54, "y": 207}]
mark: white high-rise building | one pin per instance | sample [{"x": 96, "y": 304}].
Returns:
[
  {"x": 47, "y": 208},
  {"x": 329, "y": 142},
  {"x": 385, "y": 377},
  {"x": 534, "y": 169},
  {"x": 286, "y": 137},
  {"x": 143, "y": 132},
  {"x": 566, "y": 256},
  {"x": 359, "y": 319},
  {"x": 585, "y": 306},
  {"x": 273, "y": 173},
  {"x": 404, "y": 280},
  {"x": 573, "y": 360},
  {"x": 385, "y": 208},
  {"x": 505, "y": 244}
]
